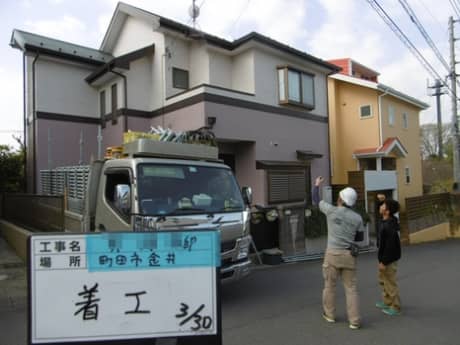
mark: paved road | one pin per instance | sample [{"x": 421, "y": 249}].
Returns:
[{"x": 280, "y": 305}]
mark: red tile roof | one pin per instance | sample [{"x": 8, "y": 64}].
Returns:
[{"x": 385, "y": 149}]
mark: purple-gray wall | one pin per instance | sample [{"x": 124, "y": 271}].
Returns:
[{"x": 59, "y": 144}]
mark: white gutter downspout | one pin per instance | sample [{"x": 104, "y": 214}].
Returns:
[{"x": 380, "y": 116}]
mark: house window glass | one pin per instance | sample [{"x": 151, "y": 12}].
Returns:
[
  {"x": 281, "y": 85},
  {"x": 180, "y": 79},
  {"x": 294, "y": 86},
  {"x": 298, "y": 87},
  {"x": 115, "y": 178},
  {"x": 365, "y": 111},
  {"x": 391, "y": 116},
  {"x": 308, "y": 90},
  {"x": 407, "y": 175},
  {"x": 405, "y": 121}
]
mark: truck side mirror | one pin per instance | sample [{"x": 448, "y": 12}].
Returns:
[
  {"x": 123, "y": 198},
  {"x": 247, "y": 195}
]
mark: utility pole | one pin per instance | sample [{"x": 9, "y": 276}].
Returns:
[
  {"x": 438, "y": 92},
  {"x": 453, "y": 80}
]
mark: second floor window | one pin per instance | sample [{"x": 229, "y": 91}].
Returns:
[
  {"x": 405, "y": 121},
  {"x": 114, "y": 97},
  {"x": 365, "y": 111},
  {"x": 391, "y": 115},
  {"x": 180, "y": 78},
  {"x": 296, "y": 87}
]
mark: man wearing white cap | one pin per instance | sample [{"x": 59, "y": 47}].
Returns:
[{"x": 345, "y": 226}]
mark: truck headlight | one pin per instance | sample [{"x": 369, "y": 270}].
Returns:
[{"x": 243, "y": 248}]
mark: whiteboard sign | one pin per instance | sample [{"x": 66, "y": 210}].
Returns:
[{"x": 120, "y": 286}]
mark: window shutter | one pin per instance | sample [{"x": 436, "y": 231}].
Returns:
[{"x": 286, "y": 186}]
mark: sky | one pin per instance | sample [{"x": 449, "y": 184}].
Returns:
[{"x": 327, "y": 29}]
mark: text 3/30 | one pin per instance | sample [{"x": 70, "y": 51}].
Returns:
[{"x": 201, "y": 322}]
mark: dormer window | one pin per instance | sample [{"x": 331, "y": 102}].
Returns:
[{"x": 296, "y": 87}]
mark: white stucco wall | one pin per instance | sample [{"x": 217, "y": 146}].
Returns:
[
  {"x": 177, "y": 56},
  {"x": 61, "y": 88},
  {"x": 243, "y": 77},
  {"x": 135, "y": 34},
  {"x": 140, "y": 84},
  {"x": 220, "y": 69},
  {"x": 199, "y": 64}
]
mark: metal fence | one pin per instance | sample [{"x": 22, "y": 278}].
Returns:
[
  {"x": 34, "y": 212},
  {"x": 70, "y": 181}
]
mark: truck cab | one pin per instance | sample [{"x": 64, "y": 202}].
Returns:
[{"x": 173, "y": 187}]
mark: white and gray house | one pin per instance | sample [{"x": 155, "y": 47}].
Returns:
[{"x": 266, "y": 101}]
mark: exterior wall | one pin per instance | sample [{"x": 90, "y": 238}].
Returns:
[
  {"x": 139, "y": 79},
  {"x": 199, "y": 64},
  {"x": 410, "y": 138},
  {"x": 350, "y": 132},
  {"x": 344, "y": 64},
  {"x": 59, "y": 144},
  {"x": 277, "y": 137},
  {"x": 139, "y": 124},
  {"x": 243, "y": 76},
  {"x": 61, "y": 88},
  {"x": 177, "y": 58},
  {"x": 220, "y": 69},
  {"x": 187, "y": 118},
  {"x": 266, "y": 79},
  {"x": 112, "y": 135},
  {"x": 134, "y": 35}
]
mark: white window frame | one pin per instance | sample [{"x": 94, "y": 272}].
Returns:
[
  {"x": 405, "y": 120},
  {"x": 391, "y": 116},
  {"x": 407, "y": 175},
  {"x": 361, "y": 116}
]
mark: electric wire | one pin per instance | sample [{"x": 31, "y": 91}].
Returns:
[
  {"x": 455, "y": 7},
  {"x": 418, "y": 24},
  {"x": 404, "y": 39}
]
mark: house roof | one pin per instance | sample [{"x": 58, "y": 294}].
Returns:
[
  {"x": 123, "y": 10},
  {"x": 382, "y": 88},
  {"x": 390, "y": 145},
  {"x": 28, "y": 42},
  {"x": 355, "y": 63},
  {"x": 122, "y": 61}
]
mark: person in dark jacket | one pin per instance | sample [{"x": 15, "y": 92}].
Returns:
[{"x": 389, "y": 253}]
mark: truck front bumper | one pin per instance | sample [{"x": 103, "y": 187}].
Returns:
[{"x": 235, "y": 262}]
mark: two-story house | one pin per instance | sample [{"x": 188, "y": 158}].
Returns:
[
  {"x": 375, "y": 135},
  {"x": 265, "y": 101}
]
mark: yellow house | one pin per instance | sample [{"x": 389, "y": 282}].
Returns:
[{"x": 374, "y": 135}]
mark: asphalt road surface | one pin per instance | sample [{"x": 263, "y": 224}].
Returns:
[{"x": 281, "y": 305}]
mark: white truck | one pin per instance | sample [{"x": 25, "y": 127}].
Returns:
[{"x": 165, "y": 185}]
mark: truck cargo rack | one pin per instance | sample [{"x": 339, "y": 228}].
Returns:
[{"x": 167, "y": 149}]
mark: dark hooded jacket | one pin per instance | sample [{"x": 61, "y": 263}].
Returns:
[{"x": 389, "y": 241}]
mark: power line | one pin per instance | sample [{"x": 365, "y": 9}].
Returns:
[
  {"x": 455, "y": 7},
  {"x": 432, "y": 16},
  {"x": 425, "y": 35},
  {"x": 404, "y": 39},
  {"x": 240, "y": 15}
]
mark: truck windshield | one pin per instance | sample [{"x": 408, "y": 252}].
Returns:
[{"x": 167, "y": 189}]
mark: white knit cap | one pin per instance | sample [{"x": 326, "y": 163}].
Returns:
[{"x": 348, "y": 196}]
